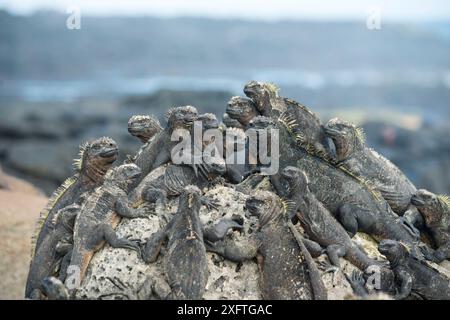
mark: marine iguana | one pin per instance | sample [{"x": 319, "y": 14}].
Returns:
[
  {"x": 413, "y": 276},
  {"x": 241, "y": 109},
  {"x": 435, "y": 210},
  {"x": 347, "y": 198},
  {"x": 185, "y": 262},
  {"x": 158, "y": 151},
  {"x": 317, "y": 221},
  {"x": 52, "y": 260},
  {"x": 285, "y": 266},
  {"x": 95, "y": 159},
  {"x": 143, "y": 127},
  {"x": 352, "y": 152},
  {"x": 230, "y": 122},
  {"x": 99, "y": 215},
  {"x": 305, "y": 125}
]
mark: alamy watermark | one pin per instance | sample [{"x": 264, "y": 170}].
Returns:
[
  {"x": 73, "y": 21},
  {"x": 256, "y": 147},
  {"x": 373, "y": 21}
]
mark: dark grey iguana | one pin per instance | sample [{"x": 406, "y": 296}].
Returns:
[
  {"x": 317, "y": 221},
  {"x": 185, "y": 262},
  {"x": 435, "y": 210},
  {"x": 241, "y": 109},
  {"x": 99, "y": 215},
  {"x": 352, "y": 152},
  {"x": 286, "y": 268},
  {"x": 96, "y": 158},
  {"x": 51, "y": 262},
  {"x": 348, "y": 199},
  {"x": 305, "y": 125},
  {"x": 144, "y": 127},
  {"x": 413, "y": 276},
  {"x": 158, "y": 151}
]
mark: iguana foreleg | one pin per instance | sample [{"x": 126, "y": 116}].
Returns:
[
  {"x": 124, "y": 210},
  {"x": 354, "y": 219},
  {"x": 243, "y": 250},
  {"x": 406, "y": 281},
  {"x": 104, "y": 232}
]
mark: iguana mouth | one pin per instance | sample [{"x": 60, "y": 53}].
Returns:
[
  {"x": 109, "y": 153},
  {"x": 417, "y": 201},
  {"x": 331, "y": 132}
]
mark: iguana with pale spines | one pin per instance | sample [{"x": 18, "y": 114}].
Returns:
[
  {"x": 158, "y": 151},
  {"x": 287, "y": 270},
  {"x": 318, "y": 223},
  {"x": 95, "y": 159},
  {"x": 349, "y": 200},
  {"x": 50, "y": 258},
  {"x": 305, "y": 125},
  {"x": 144, "y": 127},
  {"x": 413, "y": 276},
  {"x": 353, "y": 154},
  {"x": 185, "y": 261},
  {"x": 435, "y": 210},
  {"x": 98, "y": 217},
  {"x": 241, "y": 109}
]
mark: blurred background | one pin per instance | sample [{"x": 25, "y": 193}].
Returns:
[{"x": 382, "y": 64}]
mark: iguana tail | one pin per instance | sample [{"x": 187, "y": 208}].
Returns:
[{"x": 318, "y": 287}]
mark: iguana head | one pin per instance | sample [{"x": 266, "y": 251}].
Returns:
[
  {"x": 261, "y": 122},
  {"x": 143, "y": 127},
  {"x": 261, "y": 93},
  {"x": 96, "y": 158},
  {"x": 123, "y": 176},
  {"x": 209, "y": 121},
  {"x": 432, "y": 207},
  {"x": 393, "y": 250},
  {"x": 241, "y": 109},
  {"x": 181, "y": 117},
  {"x": 230, "y": 122},
  {"x": 216, "y": 164},
  {"x": 294, "y": 180},
  {"x": 191, "y": 196},
  {"x": 265, "y": 205},
  {"x": 346, "y": 137}
]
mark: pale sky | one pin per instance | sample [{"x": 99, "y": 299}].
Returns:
[{"x": 400, "y": 10}]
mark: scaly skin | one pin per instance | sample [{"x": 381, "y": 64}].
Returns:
[
  {"x": 144, "y": 127},
  {"x": 413, "y": 276},
  {"x": 306, "y": 125},
  {"x": 352, "y": 152},
  {"x": 185, "y": 261},
  {"x": 283, "y": 262},
  {"x": 435, "y": 210},
  {"x": 230, "y": 122},
  {"x": 344, "y": 196},
  {"x": 96, "y": 159},
  {"x": 99, "y": 215},
  {"x": 158, "y": 151},
  {"x": 50, "y": 261},
  {"x": 241, "y": 109},
  {"x": 318, "y": 222}
]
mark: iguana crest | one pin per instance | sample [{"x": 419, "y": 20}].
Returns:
[
  {"x": 45, "y": 212},
  {"x": 444, "y": 200},
  {"x": 292, "y": 127}
]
